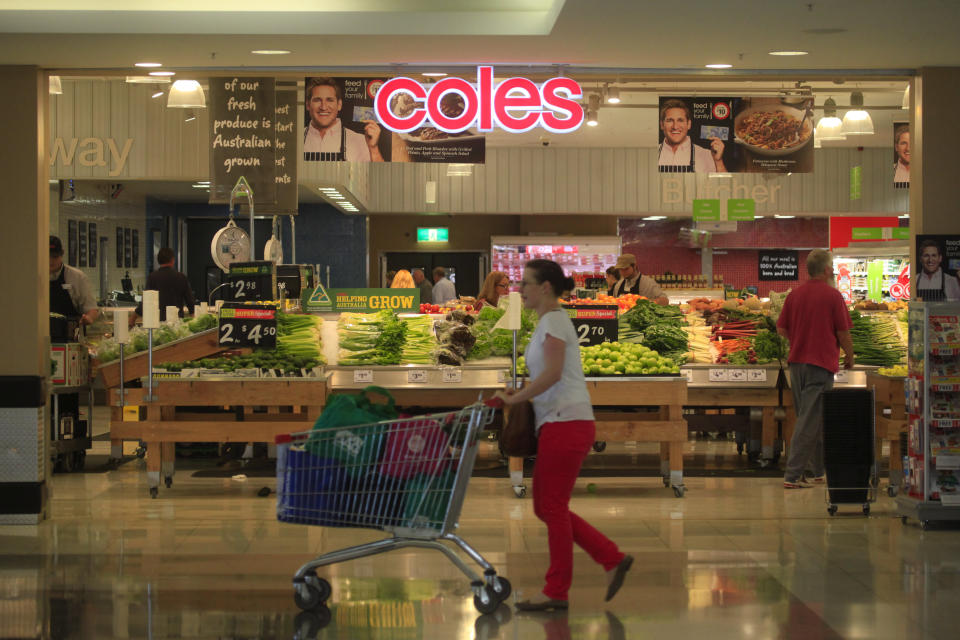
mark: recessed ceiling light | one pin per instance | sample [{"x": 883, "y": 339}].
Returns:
[
  {"x": 163, "y": 74},
  {"x": 433, "y": 74},
  {"x": 789, "y": 52},
  {"x": 270, "y": 52},
  {"x": 147, "y": 80},
  {"x": 718, "y": 65},
  {"x": 157, "y": 94},
  {"x": 148, "y": 64},
  {"x": 654, "y": 218}
]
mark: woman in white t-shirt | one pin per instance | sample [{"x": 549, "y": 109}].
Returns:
[{"x": 565, "y": 428}]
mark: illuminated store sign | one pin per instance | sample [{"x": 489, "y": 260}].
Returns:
[{"x": 515, "y": 105}]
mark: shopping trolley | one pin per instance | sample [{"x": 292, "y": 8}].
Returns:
[{"x": 407, "y": 477}]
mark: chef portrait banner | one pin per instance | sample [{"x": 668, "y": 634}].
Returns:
[
  {"x": 935, "y": 276},
  {"x": 340, "y": 125},
  {"x": 901, "y": 155},
  {"x": 735, "y": 135}
]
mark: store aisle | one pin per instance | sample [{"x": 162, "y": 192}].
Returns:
[{"x": 737, "y": 558}]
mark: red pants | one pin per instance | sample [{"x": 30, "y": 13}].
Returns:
[{"x": 560, "y": 452}]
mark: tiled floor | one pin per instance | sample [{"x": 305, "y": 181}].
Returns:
[{"x": 736, "y": 558}]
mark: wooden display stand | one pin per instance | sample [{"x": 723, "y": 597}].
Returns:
[
  {"x": 290, "y": 405},
  {"x": 664, "y": 422},
  {"x": 890, "y": 418},
  {"x": 199, "y": 345}
]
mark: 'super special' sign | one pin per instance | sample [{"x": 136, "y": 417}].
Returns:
[{"x": 515, "y": 104}]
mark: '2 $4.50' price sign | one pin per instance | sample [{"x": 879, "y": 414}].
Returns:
[
  {"x": 248, "y": 326},
  {"x": 595, "y": 323}
]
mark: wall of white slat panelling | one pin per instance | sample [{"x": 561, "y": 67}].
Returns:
[{"x": 617, "y": 181}]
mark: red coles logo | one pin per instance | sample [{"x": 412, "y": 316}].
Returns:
[{"x": 515, "y": 104}]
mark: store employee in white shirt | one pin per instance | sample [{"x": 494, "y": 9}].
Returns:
[
  {"x": 678, "y": 154},
  {"x": 933, "y": 284},
  {"x": 632, "y": 281},
  {"x": 325, "y": 139}
]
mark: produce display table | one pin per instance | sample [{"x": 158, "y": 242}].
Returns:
[
  {"x": 757, "y": 389},
  {"x": 890, "y": 415},
  {"x": 199, "y": 345},
  {"x": 252, "y": 410},
  {"x": 663, "y": 398}
]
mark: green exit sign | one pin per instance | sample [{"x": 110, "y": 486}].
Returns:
[{"x": 433, "y": 234}]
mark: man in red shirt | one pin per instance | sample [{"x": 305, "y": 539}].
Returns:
[{"x": 817, "y": 323}]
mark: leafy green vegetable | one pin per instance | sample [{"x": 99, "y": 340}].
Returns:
[
  {"x": 647, "y": 313},
  {"x": 665, "y": 339}
]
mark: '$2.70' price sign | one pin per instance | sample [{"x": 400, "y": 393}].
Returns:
[
  {"x": 594, "y": 323},
  {"x": 248, "y": 326}
]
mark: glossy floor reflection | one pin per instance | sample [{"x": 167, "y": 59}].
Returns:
[{"x": 736, "y": 558}]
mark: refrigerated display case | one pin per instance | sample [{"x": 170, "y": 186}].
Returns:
[
  {"x": 932, "y": 472},
  {"x": 865, "y": 271},
  {"x": 581, "y": 257}
]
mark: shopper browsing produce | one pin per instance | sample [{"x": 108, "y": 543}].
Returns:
[
  {"x": 564, "y": 421},
  {"x": 443, "y": 289},
  {"x": 173, "y": 287},
  {"x": 815, "y": 320},
  {"x": 497, "y": 284},
  {"x": 632, "y": 281},
  {"x": 426, "y": 289}
]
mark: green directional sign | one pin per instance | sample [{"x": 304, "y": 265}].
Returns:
[
  {"x": 741, "y": 209},
  {"x": 867, "y": 233},
  {"x": 706, "y": 209},
  {"x": 901, "y": 233},
  {"x": 433, "y": 234}
]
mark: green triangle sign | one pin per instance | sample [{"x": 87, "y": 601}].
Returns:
[{"x": 319, "y": 297}]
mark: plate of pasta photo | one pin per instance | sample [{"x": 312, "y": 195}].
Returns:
[{"x": 773, "y": 130}]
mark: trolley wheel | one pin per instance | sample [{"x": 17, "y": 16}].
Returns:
[
  {"x": 306, "y": 596},
  {"x": 309, "y": 623},
  {"x": 168, "y": 481},
  {"x": 501, "y": 588},
  {"x": 893, "y": 490},
  {"x": 154, "y": 492},
  {"x": 599, "y": 446},
  {"x": 320, "y": 584},
  {"x": 485, "y": 600},
  {"x": 519, "y": 490},
  {"x": 679, "y": 490},
  {"x": 832, "y": 510},
  {"x": 866, "y": 509}
]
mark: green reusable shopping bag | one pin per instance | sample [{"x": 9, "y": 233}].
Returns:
[{"x": 343, "y": 431}]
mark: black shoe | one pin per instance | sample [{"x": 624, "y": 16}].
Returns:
[
  {"x": 546, "y": 605},
  {"x": 620, "y": 573}
]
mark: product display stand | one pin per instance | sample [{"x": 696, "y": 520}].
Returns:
[
  {"x": 255, "y": 410},
  {"x": 933, "y": 409},
  {"x": 890, "y": 418},
  {"x": 663, "y": 398}
]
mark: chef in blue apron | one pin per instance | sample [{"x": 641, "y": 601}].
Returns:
[
  {"x": 325, "y": 139},
  {"x": 678, "y": 153},
  {"x": 933, "y": 283}
]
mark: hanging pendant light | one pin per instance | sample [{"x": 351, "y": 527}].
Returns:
[
  {"x": 593, "y": 108},
  {"x": 857, "y": 121},
  {"x": 56, "y": 88},
  {"x": 830, "y": 127},
  {"x": 186, "y": 94},
  {"x": 613, "y": 95}
]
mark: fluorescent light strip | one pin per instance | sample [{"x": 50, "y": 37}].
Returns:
[
  {"x": 719, "y": 65},
  {"x": 162, "y": 74},
  {"x": 148, "y": 65},
  {"x": 783, "y": 217},
  {"x": 270, "y": 52},
  {"x": 157, "y": 94}
]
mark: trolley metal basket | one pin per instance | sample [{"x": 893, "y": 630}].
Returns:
[{"x": 407, "y": 477}]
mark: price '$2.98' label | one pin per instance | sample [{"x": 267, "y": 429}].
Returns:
[{"x": 248, "y": 326}]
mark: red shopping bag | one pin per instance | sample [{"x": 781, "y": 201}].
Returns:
[{"x": 415, "y": 447}]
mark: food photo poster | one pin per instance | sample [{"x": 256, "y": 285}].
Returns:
[{"x": 735, "y": 135}]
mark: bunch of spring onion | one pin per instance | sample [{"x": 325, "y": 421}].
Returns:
[
  {"x": 298, "y": 335},
  {"x": 420, "y": 343}
]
